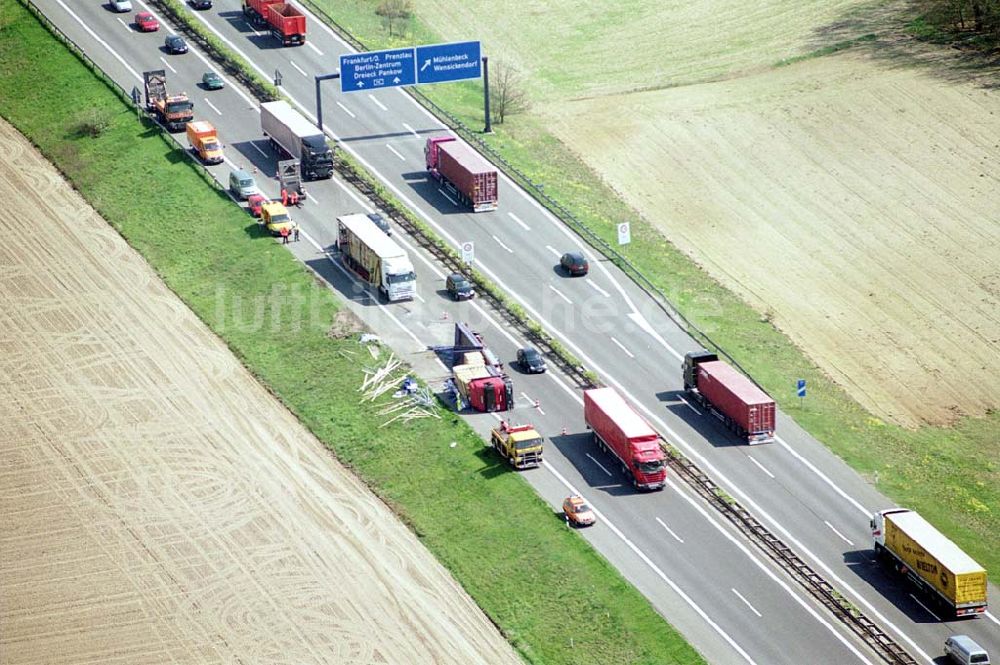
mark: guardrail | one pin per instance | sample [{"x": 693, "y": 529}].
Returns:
[{"x": 867, "y": 630}]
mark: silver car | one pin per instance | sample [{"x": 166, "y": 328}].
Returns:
[{"x": 121, "y": 6}]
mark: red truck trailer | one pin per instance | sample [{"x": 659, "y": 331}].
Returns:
[
  {"x": 286, "y": 22},
  {"x": 619, "y": 429},
  {"x": 463, "y": 170},
  {"x": 730, "y": 396}
]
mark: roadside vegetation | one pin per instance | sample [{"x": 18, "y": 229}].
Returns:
[
  {"x": 972, "y": 23},
  {"x": 534, "y": 577},
  {"x": 949, "y": 474}
]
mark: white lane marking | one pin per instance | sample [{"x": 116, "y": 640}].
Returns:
[
  {"x": 301, "y": 71},
  {"x": 258, "y": 149},
  {"x": 99, "y": 40},
  {"x": 809, "y": 465},
  {"x": 500, "y": 242},
  {"x": 670, "y": 531},
  {"x": 356, "y": 279},
  {"x": 652, "y": 566},
  {"x": 313, "y": 47},
  {"x": 518, "y": 220},
  {"x": 936, "y": 617},
  {"x": 644, "y": 325},
  {"x": 212, "y": 106},
  {"x": 164, "y": 61},
  {"x": 688, "y": 404},
  {"x": 746, "y": 602},
  {"x": 992, "y": 618},
  {"x": 494, "y": 414},
  {"x": 445, "y": 194},
  {"x": 598, "y": 464},
  {"x": 842, "y": 536},
  {"x": 622, "y": 347},
  {"x": 441, "y": 362},
  {"x": 597, "y": 288},
  {"x": 411, "y": 130},
  {"x": 419, "y": 297},
  {"x": 123, "y": 23},
  {"x": 559, "y": 293},
  {"x": 760, "y": 466},
  {"x": 548, "y": 215},
  {"x": 377, "y": 102},
  {"x": 696, "y": 504},
  {"x": 395, "y": 152},
  {"x": 533, "y": 402},
  {"x": 554, "y": 251},
  {"x": 346, "y": 110}
]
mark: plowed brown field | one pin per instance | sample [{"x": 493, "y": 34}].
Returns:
[{"x": 156, "y": 504}]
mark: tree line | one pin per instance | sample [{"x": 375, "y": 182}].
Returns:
[{"x": 980, "y": 18}]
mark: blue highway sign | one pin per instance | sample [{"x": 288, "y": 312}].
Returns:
[
  {"x": 801, "y": 388},
  {"x": 377, "y": 69},
  {"x": 439, "y": 63}
]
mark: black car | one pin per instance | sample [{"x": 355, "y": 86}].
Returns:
[
  {"x": 531, "y": 361},
  {"x": 201, "y": 4},
  {"x": 380, "y": 222},
  {"x": 458, "y": 287},
  {"x": 175, "y": 44},
  {"x": 575, "y": 263}
]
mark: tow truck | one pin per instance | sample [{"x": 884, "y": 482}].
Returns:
[{"x": 520, "y": 445}]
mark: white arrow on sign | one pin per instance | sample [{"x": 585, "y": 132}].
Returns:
[
  {"x": 361, "y": 84},
  {"x": 395, "y": 80},
  {"x": 427, "y": 63}
]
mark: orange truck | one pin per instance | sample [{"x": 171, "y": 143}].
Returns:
[
  {"x": 173, "y": 111},
  {"x": 205, "y": 141},
  {"x": 933, "y": 563}
]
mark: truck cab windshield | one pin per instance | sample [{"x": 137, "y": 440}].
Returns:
[
  {"x": 179, "y": 107},
  {"x": 650, "y": 467},
  {"x": 530, "y": 443},
  {"x": 279, "y": 219},
  {"x": 212, "y": 145},
  {"x": 402, "y": 277}
]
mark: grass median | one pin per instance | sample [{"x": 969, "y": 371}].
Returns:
[
  {"x": 949, "y": 474},
  {"x": 532, "y": 576}
]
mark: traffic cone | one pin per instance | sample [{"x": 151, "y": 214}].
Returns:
[
  {"x": 564, "y": 431},
  {"x": 444, "y": 316},
  {"x": 537, "y": 405}
]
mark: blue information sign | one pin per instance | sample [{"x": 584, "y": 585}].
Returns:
[
  {"x": 377, "y": 69},
  {"x": 439, "y": 63},
  {"x": 801, "y": 389}
]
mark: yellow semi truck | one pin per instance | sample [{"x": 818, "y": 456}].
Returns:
[
  {"x": 520, "y": 445},
  {"x": 935, "y": 564}
]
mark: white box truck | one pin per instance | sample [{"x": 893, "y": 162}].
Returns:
[
  {"x": 294, "y": 136},
  {"x": 376, "y": 257}
]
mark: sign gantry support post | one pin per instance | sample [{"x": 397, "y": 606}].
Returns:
[
  {"x": 488, "y": 129},
  {"x": 319, "y": 98}
]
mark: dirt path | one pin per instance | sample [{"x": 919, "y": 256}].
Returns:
[{"x": 156, "y": 505}]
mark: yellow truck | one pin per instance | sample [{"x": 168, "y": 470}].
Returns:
[
  {"x": 205, "y": 141},
  {"x": 520, "y": 445},
  {"x": 275, "y": 218},
  {"x": 936, "y": 565}
]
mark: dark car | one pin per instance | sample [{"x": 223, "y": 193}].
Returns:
[
  {"x": 212, "y": 81},
  {"x": 530, "y": 360},
  {"x": 574, "y": 263},
  {"x": 459, "y": 287},
  {"x": 380, "y": 222},
  {"x": 175, "y": 44},
  {"x": 201, "y": 4}
]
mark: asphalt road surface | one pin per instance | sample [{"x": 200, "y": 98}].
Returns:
[{"x": 665, "y": 543}]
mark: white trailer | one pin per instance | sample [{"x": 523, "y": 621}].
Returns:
[
  {"x": 376, "y": 257},
  {"x": 296, "y": 137}
]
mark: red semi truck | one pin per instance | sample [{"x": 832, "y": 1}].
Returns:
[
  {"x": 619, "y": 429},
  {"x": 286, "y": 22},
  {"x": 463, "y": 170},
  {"x": 731, "y": 397},
  {"x": 478, "y": 375}
]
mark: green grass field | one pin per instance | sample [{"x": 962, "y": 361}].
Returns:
[
  {"x": 949, "y": 474},
  {"x": 507, "y": 548}
]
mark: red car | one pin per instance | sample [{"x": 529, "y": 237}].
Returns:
[
  {"x": 254, "y": 202},
  {"x": 146, "y": 22}
]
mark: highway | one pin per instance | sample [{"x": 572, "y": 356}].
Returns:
[{"x": 731, "y": 611}]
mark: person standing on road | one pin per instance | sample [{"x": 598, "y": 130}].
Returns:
[
  {"x": 284, "y": 236},
  {"x": 295, "y": 231}
]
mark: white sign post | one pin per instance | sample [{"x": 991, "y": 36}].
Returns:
[
  {"x": 624, "y": 234},
  {"x": 468, "y": 252}
]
